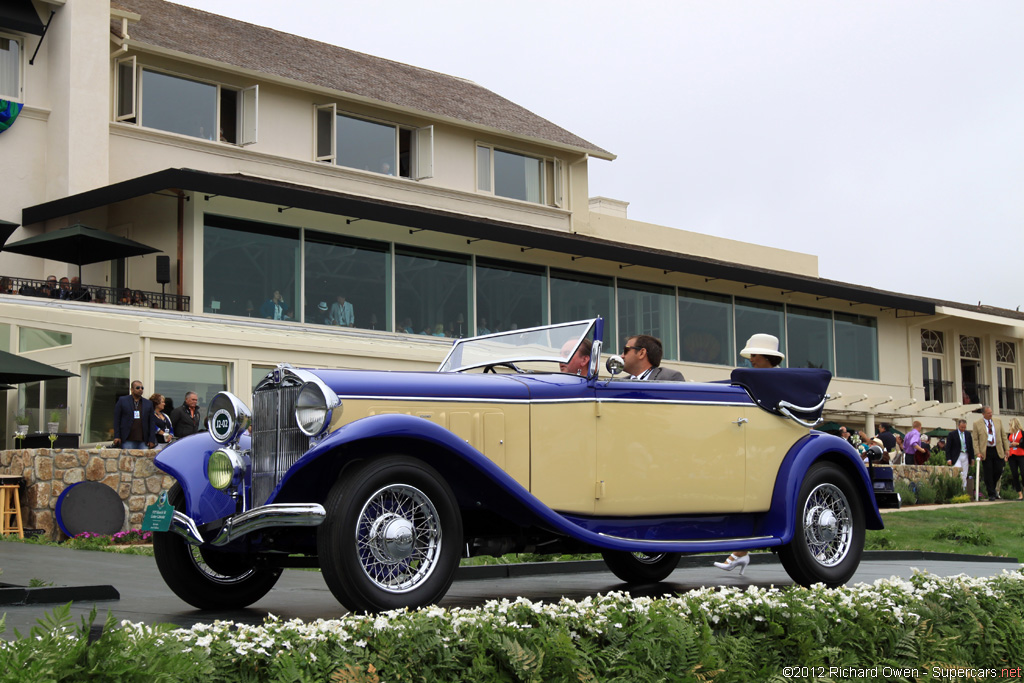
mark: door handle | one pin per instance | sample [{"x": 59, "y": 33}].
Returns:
[{"x": 741, "y": 421}]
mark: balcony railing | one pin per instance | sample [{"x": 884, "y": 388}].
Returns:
[
  {"x": 1011, "y": 400},
  {"x": 98, "y": 295},
  {"x": 976, "y": 393},
  {"x": 938, "y": 390}
]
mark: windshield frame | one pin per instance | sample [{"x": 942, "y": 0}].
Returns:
[{"x": 460, "y": 344}]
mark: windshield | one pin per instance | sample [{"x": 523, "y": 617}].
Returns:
[{"x": 555, "y": 343}]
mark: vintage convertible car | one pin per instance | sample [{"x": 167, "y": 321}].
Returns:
[{"x": 386, "y": 479}]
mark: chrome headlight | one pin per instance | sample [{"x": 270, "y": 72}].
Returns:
[
  {"x": 313, "y": 408},
  {"x": 229, "y": 418},
  {"x": 225, "y": 468}
]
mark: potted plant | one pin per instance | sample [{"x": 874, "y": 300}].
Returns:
[
  {"x": 53, "y": 426},
  {"x": 21, "y": 420}
]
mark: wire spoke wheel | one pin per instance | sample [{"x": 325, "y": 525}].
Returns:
[
  {"x": 828, "y": 528},
  {"x": 398, "y": 538}
]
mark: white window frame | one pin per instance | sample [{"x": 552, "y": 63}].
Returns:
[
  {"x": 247, "y": 114},
  {"x": 20, "y": 96},
  {"x": 132, "y": 81},
  {"x": 421, "y": 144},
  {"x": 557, "y": 200}
]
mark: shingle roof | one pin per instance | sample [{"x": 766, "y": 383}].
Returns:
[{"x": 257, "y": 48}]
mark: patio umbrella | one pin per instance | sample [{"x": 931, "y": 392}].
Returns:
[
  {"x": 80, "y": 245},
  {"x": 15, "y": 369},
  {"x": 941, "y": 433}
]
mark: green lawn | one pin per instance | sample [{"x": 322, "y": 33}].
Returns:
[{"x": 973, "y": 529}]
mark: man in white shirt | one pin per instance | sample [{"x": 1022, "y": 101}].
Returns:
[
  {"x": 342, "y": 313},
  {"x": 990, "y": 447}
]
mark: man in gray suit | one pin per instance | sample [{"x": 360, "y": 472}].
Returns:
[{"x": 641, "y": 358}]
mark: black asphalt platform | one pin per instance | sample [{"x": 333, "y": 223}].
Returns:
[{"x": 303, "y": 594}]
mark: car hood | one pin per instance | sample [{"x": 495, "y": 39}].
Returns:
[{"x": 454, "y": 385}]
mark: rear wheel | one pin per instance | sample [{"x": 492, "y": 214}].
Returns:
[
  {"x": 392, "y": 536},
  {"x": 208, "y": 578},
  {"x": 641, "y": 567},
  {"x": 829, "y": 535}
]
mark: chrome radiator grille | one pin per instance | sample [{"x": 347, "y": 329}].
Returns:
[{"x": 276, "y": 442}]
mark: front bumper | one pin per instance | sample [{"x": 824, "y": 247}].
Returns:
[{"x": 257, "y": 519}]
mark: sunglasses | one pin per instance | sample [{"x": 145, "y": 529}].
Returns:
[{"x": 627, "y": 349}]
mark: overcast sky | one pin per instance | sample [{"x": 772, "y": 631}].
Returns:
[{"x": 886, "y": 137}]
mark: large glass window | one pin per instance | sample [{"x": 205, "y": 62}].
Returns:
[
  {"x": 104, "y": 384},
  {"x": 578, "y": 296},
  {"x": 508, "y": 174},
  {"x": 10, "y": 68},
  {"x": 179, "y": 105},
  {"x": 174, "y": 378},
  {"x": 367, "y": 145},
  {"x": 758, "y": 317},
  {"x": 509, "y": 296},
  {"x": 245, "y": 263},
  {"x": 432, "y": 292},
  {"x": 856, "y": 346},
  {"x": 649, "y": 309},
  {"x": 810, "y": 338},
  {"x": 259, "y": 372},
  {"x": 5, "y": 337},
  {"x": 44, "y": 402},
  {"x": 33, "y": 339},
  {"x": 347, "y": 281},
  {"x": 29, "y": 395},
  {"x": 705, "y": 327}
]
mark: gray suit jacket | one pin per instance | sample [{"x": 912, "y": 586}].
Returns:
[{"x": 665, "y": 375}]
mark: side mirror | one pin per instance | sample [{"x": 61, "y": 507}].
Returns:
[{"x": 615, "y": 365}]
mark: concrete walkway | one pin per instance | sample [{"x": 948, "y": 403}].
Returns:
[{"x": 303, "y": 594}]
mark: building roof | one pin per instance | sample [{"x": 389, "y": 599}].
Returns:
[
  {"x": 288, "y": 194},
  {"x": 201, "y": 34}
]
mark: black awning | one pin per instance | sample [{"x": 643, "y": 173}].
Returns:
[
  {"x": 299, "y": 196},
  {"x": 21, "y": 16}
]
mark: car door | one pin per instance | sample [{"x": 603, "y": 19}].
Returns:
[{"x": 670, "y": 448}]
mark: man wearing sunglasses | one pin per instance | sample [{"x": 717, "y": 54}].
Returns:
[
  {"x": 641, "y": 357},
  {"x": 134, "y": 427}
]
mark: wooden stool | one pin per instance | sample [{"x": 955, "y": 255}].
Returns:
[{"x": 10, "y": 510}]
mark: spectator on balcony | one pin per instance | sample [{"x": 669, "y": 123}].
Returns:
[
  {"x": 1015, "y": 455},
  {"x": 49, "y": 290},
  {"x": 6, "y": 286},
  {"x": 990, "y": 446},
  {"x": 64, "y": 289},
  {"x": 960, "y": 450},
  {"x": 78, "y": 292}
]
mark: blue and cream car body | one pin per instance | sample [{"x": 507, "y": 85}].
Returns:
[{"x": 385, "y": 479}]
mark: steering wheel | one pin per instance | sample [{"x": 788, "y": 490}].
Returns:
[{"x": 511, "y": 366}]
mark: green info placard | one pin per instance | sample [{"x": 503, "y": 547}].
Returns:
[{"x": 159, "y": 515}]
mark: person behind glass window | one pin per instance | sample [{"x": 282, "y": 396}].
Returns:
[
  {"x": 275, "y": 308},
  {"x": 342, "y": 313}
]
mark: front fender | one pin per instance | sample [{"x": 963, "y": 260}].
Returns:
[
  {"x": 185, "y": 460},
  {"x": 781, "y": 520}
]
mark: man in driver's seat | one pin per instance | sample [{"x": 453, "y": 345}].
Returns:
[
  {"x": 641, "y": 358},
  {"x": 579, "y": 364}
]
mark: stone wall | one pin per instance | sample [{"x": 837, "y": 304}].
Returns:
[{"x": 47, "y": 472}]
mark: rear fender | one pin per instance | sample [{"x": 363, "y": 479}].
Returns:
[{"x": 815, "y": 447}]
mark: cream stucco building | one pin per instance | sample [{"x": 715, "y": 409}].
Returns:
[{"x": 259, "y": 161}]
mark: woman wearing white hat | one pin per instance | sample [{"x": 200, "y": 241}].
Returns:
[{"x": 762, "y": 350}]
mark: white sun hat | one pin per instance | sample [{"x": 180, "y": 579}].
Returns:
[{"x": 762, "y": 345}]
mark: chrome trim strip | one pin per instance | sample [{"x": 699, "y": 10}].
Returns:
[
  {"x": 270, "y": 516},
  {"x": 458, "y": 399},
  {"x": 183, "y": 525},
  {"x": 687, "y": 540}
]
